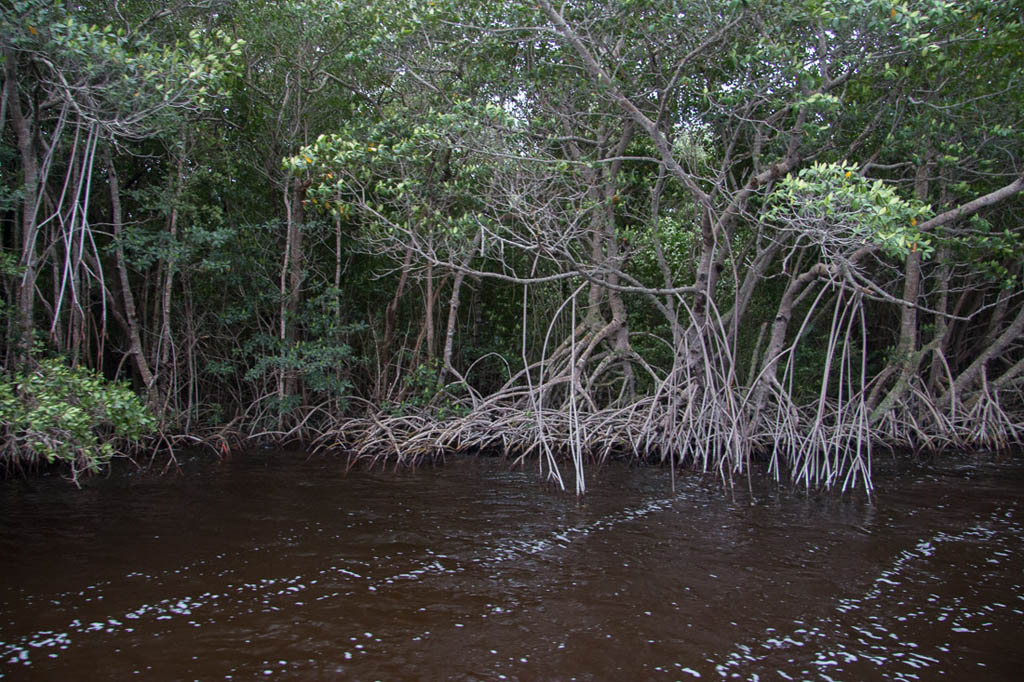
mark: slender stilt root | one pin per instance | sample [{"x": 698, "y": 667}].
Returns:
[{"x": 820, "y": 445}]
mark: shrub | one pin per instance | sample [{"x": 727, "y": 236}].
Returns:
[{"x": 53, "y": 412}]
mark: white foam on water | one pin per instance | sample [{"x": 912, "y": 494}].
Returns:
[
  {"x": 562, "y": 538},
  {"x": 273, "y": 593},
  {"x": 828, "y": 644}
]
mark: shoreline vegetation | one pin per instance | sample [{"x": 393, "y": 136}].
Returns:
[
  {"x": 699, "y": 234},
  {"x": 820, "y": 456}
]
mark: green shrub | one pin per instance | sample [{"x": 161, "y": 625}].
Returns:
[{"x": 53, "y": 412}]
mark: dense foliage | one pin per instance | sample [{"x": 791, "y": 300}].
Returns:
[
  {"x": 698, "y": 232},
  {"x": 55, "y": 412}
]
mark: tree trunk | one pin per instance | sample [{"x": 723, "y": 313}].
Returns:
[
  {"x": 453, "y": 311},
  {"x": 390, "y": 321},
  {"x": 136, "y": 349},
  {"x": 906, "y": 355},
  {"x": 291, "y": 280},
  {"x": 777, "y": 340},
  {"x": 166, "y": 339},
  {"x": 428, "y": 313},
  {"x": 29, "y": 205},
  {"x": 970, "y": 376}
]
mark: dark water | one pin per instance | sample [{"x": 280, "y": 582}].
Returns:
[{"x": 274, "y": 567}]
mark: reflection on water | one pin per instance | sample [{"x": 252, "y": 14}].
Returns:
[{"x": 276, "y": 566}]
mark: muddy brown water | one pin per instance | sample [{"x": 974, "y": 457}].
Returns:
[{"x": 275, "y": 566}]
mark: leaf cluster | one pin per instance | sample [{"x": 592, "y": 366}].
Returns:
[
  {"x": 831, "y": 203},
  {"x": 72, "y": 414}
]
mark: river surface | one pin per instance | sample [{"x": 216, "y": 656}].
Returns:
[{"x": 279, "y": 566}]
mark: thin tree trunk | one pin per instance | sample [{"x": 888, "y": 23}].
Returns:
[
  {"x": 29, "y": 203},
  {"x": 453, "y": 310},
  {"x": 906, "y": 348},
  {"x": 942, "y": 326},
  {"x": 428, "y": 313},
  {"x": 131, "y": 318},
  {"x": 390, "y": 321},
  {"x": 769, "y": 369},
  {"x": 970, "y": 375},
  {"x": 166, "y": 338},
  {"x": 291, "y": 280},
  {"x": 337, "y": 265}
]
